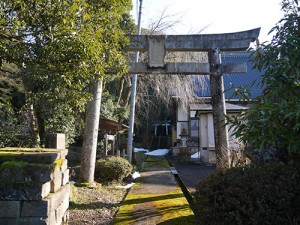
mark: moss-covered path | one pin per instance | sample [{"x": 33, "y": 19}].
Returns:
[{"x": 156, "y": 198}]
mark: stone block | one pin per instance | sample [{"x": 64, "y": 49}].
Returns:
[
  {"x": 25, "y": 188},
  {"x": 23, "y": 191},
  {"x": 58, "y": 197},
  {"x": 63, "y": 153},
  {"x": 65, "y": 177},
  {"x": 10, "y": 208},
  {"x": 39, "y": 173},
  {"x": 66, "y": 217},
  {"x": 46, "y": 206},
  {"x": 55, "y": 183},
  {"x": 57, "y": 141},
  {"x": 57, "y": 204},
  {"x": 61, "y": 211},
  {"x": 46, "y": 188},
  {"x": 64, "y": 165},
  {"x": 35, "y": 209},
  {"x": 44, "y": 157},
  {"x": 51, "y": 218},
  {"x": 156, "y": 51},
  {"x": 24, "y": 221}
]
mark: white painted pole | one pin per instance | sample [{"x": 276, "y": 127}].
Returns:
[{"x": 133, "y": 95}]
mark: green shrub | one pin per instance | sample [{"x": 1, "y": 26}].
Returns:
[
  {"x": 256, "y": 195},
  {"x": 113, "y": 169}
]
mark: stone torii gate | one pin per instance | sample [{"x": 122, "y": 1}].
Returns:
[{"x": 158, "y": 45}]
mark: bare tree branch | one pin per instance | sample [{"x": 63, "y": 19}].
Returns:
[{"x": 163, "y": 23}]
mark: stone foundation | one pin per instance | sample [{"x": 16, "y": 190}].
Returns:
[{"x": 34, "y": 187}]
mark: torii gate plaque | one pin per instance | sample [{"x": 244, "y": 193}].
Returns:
[{"x": 158, "y": 45}]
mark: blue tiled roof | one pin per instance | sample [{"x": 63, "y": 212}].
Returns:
[{"x": 235, "y": 80}]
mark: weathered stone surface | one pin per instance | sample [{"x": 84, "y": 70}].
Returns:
[
  {"x": 43, "y": 157},
  {"x": 156, "y": 51},
  {"x": 56, "y": 181},
  {"x": 57, "y": 198},
  {"x": 219, "y": 111},
  {"x": 66, "y": 217},
  {"x": 46, "y": 188},
  {"x": 51, "y": 218},
  {"x": 24, "y": 221},
  {"x": 39, "y": 173},
  {"x": 35, "y": 209},
  {"x": 64, "y": 165},
  {"x": 57, "y": 204},
  {"x": 63, "y": 153},
  {"x": 23, "y": 191},
  {"x": 186, "y": 68},
  {"x": 26, "y": 183},
  {"x": 200, "y": 42},
  {"x": 46, "y": 206},
  {"x": 10, "y": 208},
  {"x": 65, "y": 177},
  {"x": 61, "y": 211},
  {"x": 57, "y": 141}
]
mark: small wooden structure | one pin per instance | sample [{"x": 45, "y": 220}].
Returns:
[{"x": 108, "y": 130}]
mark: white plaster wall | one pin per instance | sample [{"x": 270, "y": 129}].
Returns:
[
  {"x": 203, "y": 131},
  {"x": 203, "y": 137},
  {"x": 192, "y": 113},
  {"x": 207, "y": 134},
  {"x": 234, "y": 142},
  {"x": 182, "y": 114},
  {"x": 178, "y": 130},
  {"x": 210, "y": 129}
]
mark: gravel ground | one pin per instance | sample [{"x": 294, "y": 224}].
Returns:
[
  {"x": 94, "y": 206},
  {"x": 89, "y": 206}
]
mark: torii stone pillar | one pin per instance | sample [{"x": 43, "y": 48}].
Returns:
[
  {"x": 157, "y": 46},
  {"x": 219, "y": 109}
]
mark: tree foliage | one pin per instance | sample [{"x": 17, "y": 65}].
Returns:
[
  {"x": 274, "y": 118},
  {"x": 60, "y": 47}
]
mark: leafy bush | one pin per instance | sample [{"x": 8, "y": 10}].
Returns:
[
  {"x": 113, "y": 168},
  {"x": 256, "y": 195},
  {"x": 274, "y": 117}
]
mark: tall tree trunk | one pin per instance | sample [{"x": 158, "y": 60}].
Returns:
[
  {"x": 30, "y": 114},
  {"x": 41, "y": 126},
  {"x": 121, "y": 87},
  {"x": 89, "y": 148},
  {"x": 128, "y": 93}
]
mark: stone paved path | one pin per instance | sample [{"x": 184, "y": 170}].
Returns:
[{"x": 155, "y": 198}]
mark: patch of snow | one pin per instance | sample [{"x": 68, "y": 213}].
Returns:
[
  {"x": 158, "y": 152},
  {"x": 135, "y": 175},
  {"x": 126, "y": 186},
  {"x": 196, "y": 155},
  {"x": 140, "y": 150}
]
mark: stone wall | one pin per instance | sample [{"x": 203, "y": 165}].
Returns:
[{"x": 34, "y": 187}]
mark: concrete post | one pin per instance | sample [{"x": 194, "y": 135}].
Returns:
[
  {"x": 105, "y": 145},
  {"x": 133, "y": 95},
  {"x": 113, "y": 146}
]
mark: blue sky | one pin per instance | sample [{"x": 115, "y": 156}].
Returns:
[{"x": 218, "y": 16}]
